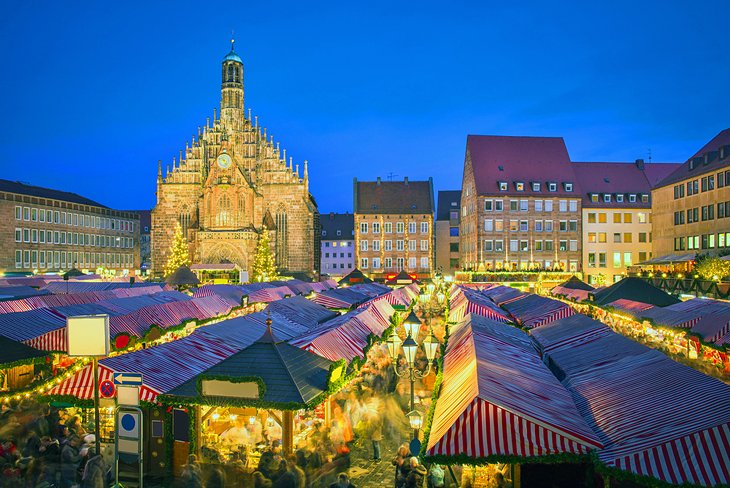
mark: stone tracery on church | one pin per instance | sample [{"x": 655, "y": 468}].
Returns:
[{"x": 230, "y": 181}]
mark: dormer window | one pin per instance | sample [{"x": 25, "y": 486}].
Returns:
[
  {"x": 607, "y": 198},
  {"x": 632, "y": 198},
  {"x": 535, "y": 186},
  {"x": 503, "y": 186},
  {"x": 644, "y": 198},
  {"x": 594, "y": 197},
  {"x": 339, "y": 233},
  {"x": 568, "y": 186},
  {"x": 620, "y": 198},
  {"x": 552, "y": 186},
  {"x": 324, "y": 233},
  {"x": 519, "y": 186}
]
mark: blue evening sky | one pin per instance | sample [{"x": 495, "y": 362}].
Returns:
[{"x": 94, "y": 93}]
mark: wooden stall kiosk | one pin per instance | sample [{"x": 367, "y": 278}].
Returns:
[
  {"x": 18, "y": 364},
  {"x": 266, "y": 395}
]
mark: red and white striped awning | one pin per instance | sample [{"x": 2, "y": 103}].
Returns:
[
  {"x": 656, "y": 417},
  {"x": 346, "y": 336},
  {"x": 469, "y": 301},
  {"x": 498, "y": 399},
  {"x": 533, "y": 310}
]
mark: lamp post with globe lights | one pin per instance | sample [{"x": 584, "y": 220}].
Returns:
[{"x": 412, "y": 325}]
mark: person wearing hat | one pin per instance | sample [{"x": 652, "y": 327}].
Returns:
[
  {"x": 343, "y": 481},
  {"x": 94, "y": 472}
]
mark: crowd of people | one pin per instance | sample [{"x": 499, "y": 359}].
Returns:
[{"x": 45, "y": 447}]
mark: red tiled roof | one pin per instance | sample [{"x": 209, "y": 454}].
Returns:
[
  {"x": 394, "y": 197},
  {"x": 621, "y": 178},
  {"x": 521, "y": 159},
  {"x": 683, "y": 172}
]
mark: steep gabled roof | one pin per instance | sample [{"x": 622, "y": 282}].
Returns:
[
  {"x": 575, "y": 283},
  {"x": 520, "y": 159},
  {"x": 13, "y": 351},
  {"x": 333, "y": 222},
  {"x": 714, "y": 162},
  {"x": 394, "y": 197}
]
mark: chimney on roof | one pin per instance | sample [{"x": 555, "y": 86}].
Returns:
[
  {"x": 378, "y": 182},
  {"x": 332, "y": 215},
  {"x": 640, "y": 164},
  {"x": 405, "y": 180}
]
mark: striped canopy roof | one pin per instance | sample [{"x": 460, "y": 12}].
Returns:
[
  {"x": 467, "y": 301},
  {"x": 302, "y": 311},
  {"x": 498, "y": 399},
  {"x": 346, "y": 336},
  {"x": 655, "y": 416},
  {"x": 503, "y": 294},
  {"x": 533, "y": 310}
]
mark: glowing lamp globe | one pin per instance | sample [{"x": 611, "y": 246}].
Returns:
[
  {"x": 412, "y": 325},
  {"x": 431, "y": 288},
  {"x": 430, "y": 346},
  {"x": 410, "y": 347},
  {"x": 415, "y": 419},
  {"x": 393, "y": 342},
  {"x": 440, "y": 297}
]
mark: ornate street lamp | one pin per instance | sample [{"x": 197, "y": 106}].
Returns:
[{"x": 410, "y": 347}]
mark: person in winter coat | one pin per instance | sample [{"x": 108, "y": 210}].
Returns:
[
  {"x": 376, "y": 437},
  {"x": 343, "y": 481},
  {"x": 436, "y": 476},
  {"x": 70, "y": 458},
  {"x": 94, "y": 472},
  {"x": 416, "y": 474},
  {"x": 401, "y": 466}
]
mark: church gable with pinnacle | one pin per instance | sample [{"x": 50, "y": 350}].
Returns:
[{"x": 231, "y": 182}]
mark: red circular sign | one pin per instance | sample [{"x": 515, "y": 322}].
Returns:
[{"x": 106, "y": 389}]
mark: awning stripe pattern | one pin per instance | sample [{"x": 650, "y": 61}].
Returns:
[
  {"x": 656, "y": 417},
  {"x": 533, "y": 311},
  {"x": 498, "y": 398}
]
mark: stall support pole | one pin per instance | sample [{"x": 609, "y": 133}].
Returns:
[
  {"x": 328, "y": 412},
  {"x": 516, "y": 476},
  {"x": 95, "y": 365},
  {"x": 198, "y": 429},
  {"x": 287, "y": 432}
]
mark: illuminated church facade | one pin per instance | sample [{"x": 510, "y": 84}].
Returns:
[{"x": 231, "y": 183}]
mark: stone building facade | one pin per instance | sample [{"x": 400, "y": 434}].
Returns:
[
  {"x": 45, "y": 230},
  {"x": 617, "y": 221},
  {"x": 691, "y": 206},
  {"x": 394, "y": 228},
  {"x": 447, "y": 231},
  {"x": 520, "y": 205},
  {"x": 230, "y": 183},
  {"x": 338, "y": 244}
]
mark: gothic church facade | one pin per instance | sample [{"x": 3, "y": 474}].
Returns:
[{"x": 231, "y": 183}]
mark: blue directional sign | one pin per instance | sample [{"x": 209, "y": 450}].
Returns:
[
  {"x": 128, "y": 425},
  {"x": 129, "y": 379}
]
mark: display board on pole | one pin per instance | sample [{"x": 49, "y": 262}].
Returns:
[{"x": 88, "y": 336}]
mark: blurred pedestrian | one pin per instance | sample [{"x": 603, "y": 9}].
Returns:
[{"x": 376, "y": 437}]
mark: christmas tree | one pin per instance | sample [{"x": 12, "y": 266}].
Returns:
[
  {"x": 264, "y": 265},
  {"x": 178, "y": 252}
]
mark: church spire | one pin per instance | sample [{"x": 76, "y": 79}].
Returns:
[{"x": 232, "y": 114}]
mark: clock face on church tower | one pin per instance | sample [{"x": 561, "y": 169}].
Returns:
[{"x": 224, "y": 161}]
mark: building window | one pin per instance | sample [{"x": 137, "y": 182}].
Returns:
[
  {"x": 514, "y": 205},
  {"x": 498, "y": 245},
  {"x": 524, "y": 246},
  {"x": 376, "y": 228},
  {"x": 641, "y": 217},
  {"x": 523, "y": 205},
  {"x": 488, "y": 225},
  {"x": 592, "y": 260},
  {"x": 568, "y": 187},
  {"x": 513, "y": 245},
  {"x": 399, "y": 245},
  {"x": 503, "y": 186},
  {"x": 411, "y": 227},
  {"x": 376, "y": 263},
  {"x": 364, "y": 263},
  {"x": 424, "y": 263},
  {"x": 363, "y": 245},
  {"x": 620, "y": 198},
  {"x": 376, "y": 246},
  {"x": 632, "y": 197},
  {"x": 591, "y": 217},
  {"x": 519, "y": 186},
  {"x": 594, "y": 199},
  {"x": 424, "y": 227},
  {"x": 552, "y": 186},
  {"x": 548, "y": 245},
  {"x": 388, "y": 245},
  {"x": 538, "y": 205},
  {"x": 563, "y": 245},
  {"x": 617, "y": 237},
  {"x": 498, "y": 205},
  {"x": 617, "y": 260},
  {"x": 363, "y": 227},
  {"x": 388, "y": 227},
  {"x": 18, "y": 235},
  {"x": 602, "y": 237},
  {"x": 18, "y": 212},
  {"x": 535, "y": 186},
  {"x": 601, "y": 259},
  {"x": 424, "y": 245},
  {"x": 411, "y": 263},
  {"x": 642, "y": 236},
  {"x": 607, "y": 198},
  {"x": 538, "y": 226},
  {"x": 488, "y": 245},
  {"x": 412, "y": 244},
  {"x": 538, "y": 245},
  {"x": 453, "y": 231},
  {"x": 573, "y": 245},
  {"x": 645, "y": 197},
  {"x": 563, "y": 205},
  {"x": 616, "y": 217},
  {"x": 548, "y": 226},
  {"x": 400, "y": 227}
]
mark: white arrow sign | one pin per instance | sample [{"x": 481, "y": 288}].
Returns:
[{"x": 130, "y": 379}]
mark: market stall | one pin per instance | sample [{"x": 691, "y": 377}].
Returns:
[
  {"x": 499, "y": 405},
  {"x": 260, "y": 397},
  {"x": 534, "y": 310}
]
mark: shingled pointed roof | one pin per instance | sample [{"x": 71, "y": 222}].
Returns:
[
  {"x": 355, "y": 277},
  {"x": 393, "y": 197},
  {"x": 290, "y": 375},
  {"x": 634, "y": 289},
  {"x": 520, "y": 159},
  {"x": 182, "y": 276},
  {"x": 575, "y": 283},
  {"x": 13, "y": 351},
  {"x": 719, "y": 143}
]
